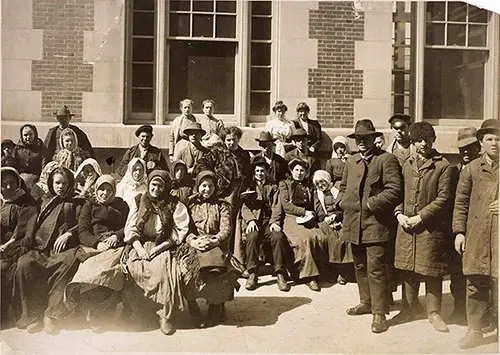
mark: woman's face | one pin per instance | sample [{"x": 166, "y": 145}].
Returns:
[
  {"x": 8, "y": 150},
  {"x": 186, "y": 109},
  {"x": 280, "y": 113},
  {"x": 68, "y": 142},
  {"x": 340, "y": 150},
  {"x": 137, "y": 172},
  {"x": 9, "y": 185},
  {"x": 60, "y": 184},
  {"x": 206, "y": 187},
  {"x": 105, "y": 192},
  {"x": 298, "y": 172},
  {"x": 88, "y": 171},
  {"x": 208, "y": 109},
  {"x": 156, "y": 188},
  {"x": 259, "y": 173},
  {"x": 28, "y": 135},
  {"x": 179, "y": 172},
  {"x": 231, "y": 141},
  {"x": 302, "y": 114},
  {"x": 321, "y": 185}
]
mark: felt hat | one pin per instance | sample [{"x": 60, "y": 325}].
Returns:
[
  {"x": 261, "y": 161},
  {"x": 265, "y": 137},
  {"x": 144, "y": 128},
  {"x": 192, "y": 127},
  {"x": 466, "y": 136},
  {"x": 400, "y": 116},
  {"x": 63, "y": 111},
  {"x": 488, "y": 126},
  {"x": 364, "y": 127},
  {"x": 299, "y": 133}
]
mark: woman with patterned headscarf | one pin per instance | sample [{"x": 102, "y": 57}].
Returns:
[{"x": 71, "y": 155}]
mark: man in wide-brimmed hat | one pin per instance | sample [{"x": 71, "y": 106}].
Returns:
[
  {"x": 400, "y": 145},
  {"x": 52, "y": 145},
  {"x": 310, "y": 125},
  {"x": 278, "y": 166},
  {"x": 475, "y": 224},
  {"x": 194, "y": 150},
  {"x": 370, "y": 190},
  {"x": 149, "y": 153},
  {"x": 301, "y": 139}
]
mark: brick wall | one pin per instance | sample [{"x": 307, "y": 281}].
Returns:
[
  {"x": 61, "y": 75},
  {"x": 335, "y": 83}
]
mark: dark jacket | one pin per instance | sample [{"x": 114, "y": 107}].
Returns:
[
  {"x": 277, "y": 168},
  {"x": 153, "y": 155},
  {"x": 313, "y": 129},
  {"x": 97, "y": 222},
  {"x": 311, "y": 160},
  {"x": 262, "y": 208},
  {"x": 370, "y": 219},
  {"x": 51, "y": 142},
  {"x": 182, "y": 189},
  {"x": 428, "y": 193},
  {"x": 296, "y": 198},
  {"x": 18, "y": 218},
  {"x": 29, "y": 159},
  {"x": 243, "y": 160},
  {"x": 335, "y": 167},
  {"x": 331, "y": 208},
  {"x": 477, "y": 188}
]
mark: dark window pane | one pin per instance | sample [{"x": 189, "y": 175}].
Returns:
[
  {"x": 179, "y": 24},
  {"x": 199, "y": 70},
  {"x": 457, "y": 11},
  {"x": 142, "y": 75},
  {"x": 142, "y": 100},
  {"x": 456, "y": 35},
  {"x": 225, "y": 26},
  {"x": 454, "y": 83},
  {"x": 260, "y": 54},
  {"x": 260, "y": 79},
  {"x": 477, "y": 36},
  {"x": 179, "y": 5},
  {"x": 226, "y": 6},
  {"x": 144, "y": 5},
  {"x": 434, "y": 34},
  {"x": 477, "y": 15},
  {"x": 260, "y": 103},
  {"x": 144, "y": 23},
  {"x": 203, "y": 5},
  {"x": 143, "y": 49},
  {"x": 261, "y": 7},
  {"x": 203, "y": 25},
  {"x": 261, "y": 28},
  {"x": 435, "y": 11}
]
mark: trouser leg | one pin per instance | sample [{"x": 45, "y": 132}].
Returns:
[
  {"x": 478, "y": 292},
  {"x": 253, "y": 241},
  {"x": 360, "y": 269},
  {"x": 458, "y": 282},
  {"x": 377, "y": 276},
  {"x": 433, "y": 294},
  {"x": 410, "y": 289},
  {"x": 278, "y": 243}
]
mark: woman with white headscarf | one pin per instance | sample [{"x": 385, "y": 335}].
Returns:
[
  {"x": 134, "y": 182},
  {"x": 86, "y": 176},
  {"x": 71, "y": 155},
  {"x": 340, "y": 154}
]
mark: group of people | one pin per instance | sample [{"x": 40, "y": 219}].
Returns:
[{"x": 171, "y": 232}]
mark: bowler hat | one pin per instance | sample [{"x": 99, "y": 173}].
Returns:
[
  {"x": 364, "y": 128},
  {"x": 297, "y": 161},
  {"x": 299, "y": 133},
  {"x": 265, "y": 137},
  {"x": 261, "y": 161},
  {"x": 144, "y": 128},
  {"x": 400, "y": 116},
  {"x": 488, "y": 126},
  {"x": 466, "y": 136},
  {"x": 63, "y": 111},
  {"x": 193, "y": 126}
]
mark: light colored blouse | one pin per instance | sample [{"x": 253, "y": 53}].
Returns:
[{"x": 281, "y": 130}]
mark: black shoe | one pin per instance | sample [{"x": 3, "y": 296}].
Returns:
[
  {"x": 470, "y": 340},
  {"x": 251, "y": 282},
  {"x": 402, "y": 317},
  {"x": 379, "y": 324},
  {"x": 313, "y": 285},
  {"x": 282, "y": 284},
  {"x": 166, "y": 327},
  {"x": 50, "y": 326},
  {"x": 360, "y": 309},
  {"x": 341, "y": 280}
]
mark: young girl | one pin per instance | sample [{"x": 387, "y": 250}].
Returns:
[
  {"x": 40, "y": 188},
  {"x": 29, "y": 154},
  {"x": 326, "y": 197},
  {"x": 18, "y": 215},
  {"x": 85, "y": 177},
  {"x": 134, "y": 182},
  {"x": 100, "y": 226},
  {"x": 335, "y": 165},
  {"x": 182, "y": 184},
  {"x": 71, "y": 155},
  {"x": 53, "y": 257},
  {"x": 156, "y": 227}
]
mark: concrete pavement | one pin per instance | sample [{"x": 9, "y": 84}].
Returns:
[{"x": 264, "y": 321}]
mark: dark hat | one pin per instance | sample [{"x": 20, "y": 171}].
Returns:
[
  {"x": 63, "y": 111},
  {"x": 7, "y": 143},
  {"x": 261, "y": 161},
  {"x": 466, "y": 136},
  {"x": 400, "y": 116},
  {"x": 488, "y": 126},
  {"x": 302, "y": 106},
  {"x": 144, "y": 128},
  {"x": 299, "y": 133},
  {"x": 193, "y": 126},
  {"x": 265, "y": 137},
  {"x": 364, "y": 128},
  {"x": 297, "y": 161}
]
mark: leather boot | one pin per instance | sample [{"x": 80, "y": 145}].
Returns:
[
  {"x": 251, "y": 282},
  {"x": 282, "y": 284},
  {"x": 438, "y": 322},
  {"x": 166, "y": 327},
  {"x": 360, "y": 309},
  {"x": 379, "y": 324}
]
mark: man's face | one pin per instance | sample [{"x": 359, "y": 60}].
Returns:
[
  {"x": 266, "y": 147},
  {"x": 260, "y": 173},
  {"x": 300, "y": 143},
  {"x": 400, "y": 130},
  {"x": 231, "y": 142},
  {"x": 490, "y": 145},
  {"x": 365, "y": 143},
  {"x": 424, "y": 146},
  {"x": 194, "y": 136},
  {"x": 145, "y": 139},
  {"x": 63, "y": 120},
  {"x": 208, "y": 109},
  {"x": 470, "y": 152}
]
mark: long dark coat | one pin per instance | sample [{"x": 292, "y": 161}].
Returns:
[
  {"x": 52, "y": 143},
  {"x": 265, "y": 206},
  {"x": 153, "y": 155},
  {"x": 477, "y": 188},
  {"x": 379, "y": 184},
  {"x": 428, "y": 193}
]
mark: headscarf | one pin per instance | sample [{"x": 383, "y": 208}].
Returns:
[
  {"x": 66, "y": 157},
  {"x": 68, "y": 132},
  {"x": 342, "y": 140},
  {"x": 101, "y": 180},
  {"x": 44, "y": 176},
  {"x": 128, "y": 181},
  {"x": 324, "y": 175},
  {"x": 163, "y": 176},
  {"x": 89, "y": 161},
  {"x": 174, "y": 164},
  {"x": 19, "y": 191},
  {"x": 37, "y": 142},
  {"x": 206, "y": 174}
]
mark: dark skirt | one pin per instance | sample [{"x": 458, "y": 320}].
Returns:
[
  {"x": 8, "y": 265},
  {"x": 339, "y": 251}
]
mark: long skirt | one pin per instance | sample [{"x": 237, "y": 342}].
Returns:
[
  {"x": 309, "y": 244},
  {"x": 339, "y": 251}
]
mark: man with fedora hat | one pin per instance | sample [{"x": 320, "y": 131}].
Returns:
[
  {"x": 301, "y": 139},
  {"x": 277, "y": 165},
  {"x": 475, "y": 225},
  {"x": 400, "y": 145},
  {"x": 371, "y": 188},
  {"x": 194, "y": 150},
  {"x": 52, "y": 145},
  {"x": 150, "y": 154}
]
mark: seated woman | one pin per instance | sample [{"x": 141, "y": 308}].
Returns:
[
  {"x": 18, "y": 217},
  {"x": 335, "y": 165},
  {"x": 326, "y": 198},
  {"x": 101, "y": 227},
  {"x": 71, "y": 155},
  {"x": 309, "y": 243},
  {"x": 134, "y": 182},
  {"x": 182, "y": 184},
  {"x": 85, "y": 177},
  {"x": 210, "y": 238},
  {"x": 40, "y": 188},
  {"x": 29, "y": 154},
  {"x": 156, "y": 227},
  {"x": 52, "y": 260}
]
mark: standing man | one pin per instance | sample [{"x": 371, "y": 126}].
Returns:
[
  {"x": 144, "y": 150},
  {"x": 400, "y": 146},
  {"x": 52, "y": 145},
  {"x": 475, "y": 224},
  {"x": 371, "y": 188},
  {"x": 312, "y": 127}
]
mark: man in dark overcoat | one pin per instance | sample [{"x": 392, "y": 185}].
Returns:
[
  {"x": 311, "y": 126},
  {"x": 370, "y": 191},
  {"x": 475, "y": 224}
]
